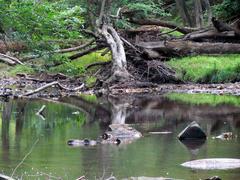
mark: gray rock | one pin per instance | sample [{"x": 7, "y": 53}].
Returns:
[
  {"x": 214, "y": 163},
  {"x": 191, "y": 132}
]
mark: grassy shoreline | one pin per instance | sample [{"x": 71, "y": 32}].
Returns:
[
  {"x": 196, "y": 69},
  {"x": 208, "y": 69}
]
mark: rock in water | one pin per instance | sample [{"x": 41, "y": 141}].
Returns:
[
  {"x": 215, "y": 163},
  {"x": 192, "y": 131}
]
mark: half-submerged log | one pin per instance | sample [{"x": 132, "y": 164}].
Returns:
[
  {"x": 192, "y": 132},
  {"x": 215, "y": 163}
]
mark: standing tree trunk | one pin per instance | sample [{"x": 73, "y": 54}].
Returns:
[
  {"x": 198, "y": 13},
  {"x": 182, "y": 8},
  {"x": 119, "y": 62},
  {"x": 209, "y": 11}
]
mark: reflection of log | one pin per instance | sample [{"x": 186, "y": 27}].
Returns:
[
  {"x": 93, "y": 110},
  {"x": 169, "y": 114},
  {"x": 187, "y": 47}
]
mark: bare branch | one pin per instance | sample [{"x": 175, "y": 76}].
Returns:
[
  {"x": 9, "y": 59},
  {"x": 75, "y": 48},
  {"x": 97, "y": 64},
  {"x": 85, "y": 52}
]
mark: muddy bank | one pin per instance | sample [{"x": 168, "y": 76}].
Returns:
[
  {"x": 18, "y": 87},
  {"x": 228, "y": 88}
]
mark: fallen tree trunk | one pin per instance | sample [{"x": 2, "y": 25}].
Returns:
[
  {"x": 210, "y": 34},
  {"x": 180, "y": 47},
  {"x": 184, "y": 30}
]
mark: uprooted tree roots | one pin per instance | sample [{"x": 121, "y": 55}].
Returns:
[{"x": 142, "y": 73}]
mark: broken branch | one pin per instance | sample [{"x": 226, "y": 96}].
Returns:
[
  {"x": 75, "y": 48},
  {"x": 97, "y": 64},
  {"x": 52, "y": 84}
]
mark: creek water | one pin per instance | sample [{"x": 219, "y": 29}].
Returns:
[{"x": 43, "y": 140}]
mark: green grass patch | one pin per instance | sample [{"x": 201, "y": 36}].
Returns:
[
  {"x": 89, "y": 98},
  {"x": 204, "y": 99},
  {"x": 90, "y": 81},
  {"x": 19, "y": 69},
  {"x": 78, "y": 66},
  {"x": 208, "y": 69},
  {"x": 174, "y": 33}
]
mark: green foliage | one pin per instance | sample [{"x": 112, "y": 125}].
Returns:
[
  {"x": 89, "y": 98},
  {"x": 174, "y": 33},
  {"x": 21, "y": 69},
  {"x": 208, "y": 69},
  {"x": 147, "y": 8},
  {"x": 202, "y": 99},
  {"x": 90, "y": 81},
  {"x": 141, "y": 8},
  {"x": 36, "y": 22},
  {"x": 227, "y": 9}
]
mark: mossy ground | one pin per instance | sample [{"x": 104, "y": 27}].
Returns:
[
  {"x": 208, "y": 69},
  {"x": 73, "y": 68}
]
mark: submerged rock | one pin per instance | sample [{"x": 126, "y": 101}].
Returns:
[
  {"x": 84, "y": 142},
  {"x": 121, "y": 133},
  {"x": 225, "y": 136},
  {"x": 215, "y": 163},
  {"x": 192, "y": 131},
  {"x": 118, "y": 134}
]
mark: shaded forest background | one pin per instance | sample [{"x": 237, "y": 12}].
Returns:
[{"x": 47, "y": 35}]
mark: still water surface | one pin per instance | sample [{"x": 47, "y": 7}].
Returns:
[{"x": 89, "y": 117}]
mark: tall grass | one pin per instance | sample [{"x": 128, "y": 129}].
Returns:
[{"x": 208, "y": 69}]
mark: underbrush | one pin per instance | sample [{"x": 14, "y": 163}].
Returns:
[{"x": 208, "y": 69}]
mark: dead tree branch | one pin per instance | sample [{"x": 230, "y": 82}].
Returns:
[
  {"x": 9, "y": 59},
  {"x": 53, "y": 84},
  {"x": 85, "y": 52},
  {"x": 75, "y": 48},
  {"x": 97, "y": 64}
]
